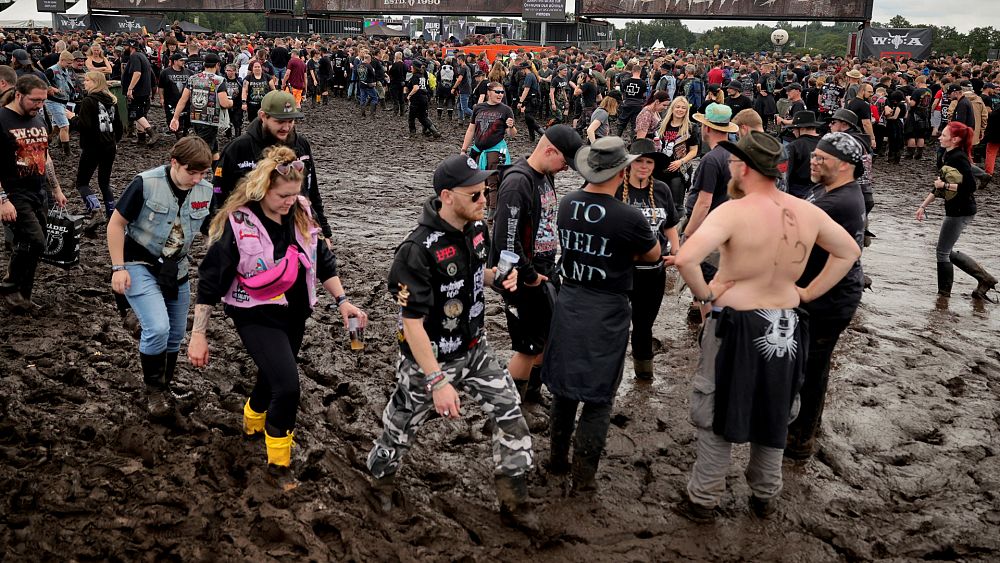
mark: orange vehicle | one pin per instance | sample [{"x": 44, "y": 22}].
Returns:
[{"x": 492, "y": 51}]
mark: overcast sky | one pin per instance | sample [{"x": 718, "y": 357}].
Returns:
[{"x": 973, "y": 13}]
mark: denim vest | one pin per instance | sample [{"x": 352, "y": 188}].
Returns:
[
  {"x": 257, "y": 254},
  {"x": 152, "y": 228},
  {"x": 64, "y": 81}
]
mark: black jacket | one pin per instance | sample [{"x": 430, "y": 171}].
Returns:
[
  {"x": 241, "y": 155},
  {"x": 519, "y": 211},
  {"x": 964, "y": 202},
  {"x": 97, "y": 130},
  {"x": 438, "y": 275}
]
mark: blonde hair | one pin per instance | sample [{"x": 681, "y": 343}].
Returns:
[
  {"x": 685, "y": 128},
  {"x": 609, "y": 105},
  {"x": 100, "y": 84},
  {"x": 256, "y": 185},
  {"x": 749, "y": 118}
]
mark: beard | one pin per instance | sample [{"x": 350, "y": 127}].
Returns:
[{"x": 734, "y": 189}]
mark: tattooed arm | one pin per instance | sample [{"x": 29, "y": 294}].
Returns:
[
  {"x": 53, "y": 179},
  {"x": 198, "y": 347}
]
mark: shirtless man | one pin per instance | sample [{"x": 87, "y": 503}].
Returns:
[{"x": 751, "y": 345}]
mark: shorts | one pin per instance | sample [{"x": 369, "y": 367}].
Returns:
[
  {"x": 529, "y": 314},
  {"x": 138, "y": 107},
  {"x": 57, "y": 113},
  {"x": 918, "y": 133},
  {"x": 209, "y": 134}
]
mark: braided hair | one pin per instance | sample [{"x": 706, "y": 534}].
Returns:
[{"x": 649, "y": 185}]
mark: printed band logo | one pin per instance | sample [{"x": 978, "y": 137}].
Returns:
[
  {"x": 446, "y": 253},
  {"x": 199, "y": 204}
]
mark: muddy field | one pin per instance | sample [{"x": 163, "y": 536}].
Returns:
[{"x": 908, "y": 470}]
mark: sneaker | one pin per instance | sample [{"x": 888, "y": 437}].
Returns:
[
  {"x": 762, "y": 508},
  {"x": 281, "y": 477},
  {"x": 696, "y": 512}
]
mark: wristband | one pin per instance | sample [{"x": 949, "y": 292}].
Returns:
[
  {"x": 118, "y": 268},
  {"x": 342, "y": 299},
  {"x": 3, "y": 197},
  {"x": 435, "y": 381}
]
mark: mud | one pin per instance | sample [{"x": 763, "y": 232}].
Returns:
[{"x": 908, "y": 468}]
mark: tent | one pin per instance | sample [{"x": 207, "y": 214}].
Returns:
[
  {"x": 188, "y": 27},
  {"x": 657, "y": 45},
  {"x": 78, "y": 9},
  {"x": 381, "y": 30},
  {"x": 24, "y": 14}
]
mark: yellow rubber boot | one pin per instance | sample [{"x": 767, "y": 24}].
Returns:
[
  {"x": 253, "y": 421},
  {"x": 279, "y": 461}
]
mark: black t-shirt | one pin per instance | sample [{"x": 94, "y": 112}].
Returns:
[
  {"x": 397, "y": 72},
  {"x": 280, "y": 57},
  {"x": 195, "y": 63},
  {"x": 24, "y": 143},
  {"x": 799, "y": 151},
  {"x": 559, "y": 87},
  {"x": 713, "y": 177},
  {"x": 846, "y": 206},
  {"x": 465, "y": 87},
  {"x": 257, "y": 88},
  {"x": 49, "y": 60},
  {"x": 660, "y": 213},
  {"x": 419, "y": 80},
  {"x": 325, "y": 67},
  {"x": 173, "y": 83},
  {"x": 491, "y": 124},
  {"x": 37, "y": 51},
  {"x": 676, "y": 147},
  {"x": 589, "y": 94},
  {"x": 130, "y": 206},
  {"x": 137, "y": 62},
  {"x": 480, "y": 91},
  {"x": 600, "y": 237},
  {"x": 787, "y": 133},
  {"x": 634, "y": 91},
  {"x": 860, "y": 108}
]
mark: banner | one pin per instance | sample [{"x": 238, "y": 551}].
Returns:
[
  {"x": 126, "y": 24},
  {"x": 65, "y": 22},
  {"x": 890, "y": 42},
  {"x": 827, "y": 10},
  {"x": 179, "y": 5},
  {"x": 50, "y": 5},
  {"x": 544, "y": 10},
  {"x": 413, "y": 7}
]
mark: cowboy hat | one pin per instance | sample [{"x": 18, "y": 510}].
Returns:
[
  {"x": 603, "y": 159},
  {"x": 805, "y": 119},
  {"x": 854, "y": 73},
  {"x": 718, "y": 116},
  {"x": 646, "y": 148}
]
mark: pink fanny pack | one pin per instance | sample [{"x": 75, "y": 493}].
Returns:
[{"x": 275, "y": 281}]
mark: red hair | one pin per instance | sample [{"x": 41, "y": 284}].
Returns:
[{"x": 963, "y": 134}]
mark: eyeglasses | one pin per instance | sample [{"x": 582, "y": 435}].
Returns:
[
  {"x": 817, "y": 158},
  {"x": 498, "y": 91},
  {"x": 473, "y": 197},
  {"x": 283, "y": 169},
  {"x": 734, "y": 160}
]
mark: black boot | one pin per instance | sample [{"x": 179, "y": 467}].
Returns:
[
  {"x": 451, "y": 114},
  {"x": 66, "y": 147},
  {"x": 910, "y": 152},
  {"x": 169, "y": 368},
  {"x": 945, "y": 278},
  {"x": 515, "y": 510},
  {"x": 561, "y": 422},
  {"x": 153, "y": 374},
  {"x": 971, "y": 267},
  {"x": 434, "y": 132},
  {"x": 919, "y": 155},
  {"x": 533, "y": 391},
  {"x": 585, "y": 471},
  {"x": 440, "y": 112},
  {"x": 363, "y": 108}
]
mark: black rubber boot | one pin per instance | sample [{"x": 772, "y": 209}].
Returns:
[
  {"x": 643, "y": 369},
  {"x": 533, "y": 391},
  {"x": 153, "y": 374},
  {"x": 440, "y": 112},
  {"x": 515, "y": 510},
  {"x": 434, "y": 132},
  {"x": 945, "y": 278},
  {"x": 919, "y": 155},
  {"x": 971, "y": 267},
  {"x": 910, "y": 152},
  {"x": 561, "y": 422},
  {"x": 169, "y": 367}
]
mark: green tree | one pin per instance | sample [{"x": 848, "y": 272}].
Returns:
[{"x": 899, "y": 21}]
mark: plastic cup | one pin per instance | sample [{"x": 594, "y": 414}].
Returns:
[
  {"x": 356, "y": 333},
  {"x": 506, "y": 264}
]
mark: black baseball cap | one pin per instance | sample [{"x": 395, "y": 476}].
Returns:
[
  {"x": 793, "y": 86},
  {"x": 458, "y": 171},
  {"x": 178, "y": 57},
  {"x": 568, "y": 141},
  {"x": 954, "y": 88},
  {"x": 211, "y": 59}
]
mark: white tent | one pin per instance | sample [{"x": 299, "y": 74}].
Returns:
[
  {"x": 24, "y": 14},
  {"x": 80, "y": 8},
  {"x": 657, "y": 45}
]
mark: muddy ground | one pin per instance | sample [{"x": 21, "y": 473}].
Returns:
[{"x": 908, "y": 468}]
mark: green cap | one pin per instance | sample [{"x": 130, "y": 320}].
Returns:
[{"x": 280, "y": 105}]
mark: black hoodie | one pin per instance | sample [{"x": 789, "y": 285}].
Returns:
[
  {"x": 438, "y": 275},
  {"x": 241, "y": 155},
  {"x": 98, "y": 121}
]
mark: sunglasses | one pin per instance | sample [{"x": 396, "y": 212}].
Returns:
[
  {"x": 283, "y": 169},
  {"x": 498, "y": 91},
  {"x": 473, "y": 197}
]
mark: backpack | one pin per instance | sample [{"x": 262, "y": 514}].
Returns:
[{"x": 447, "y": 76}]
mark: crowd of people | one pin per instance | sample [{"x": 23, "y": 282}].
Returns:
[{"x": 749, "y": 175}]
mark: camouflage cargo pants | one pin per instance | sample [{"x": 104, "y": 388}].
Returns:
[{"x": 478, "y": 374}]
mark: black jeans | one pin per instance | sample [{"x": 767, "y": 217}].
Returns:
[
  {"x": 530, "y": 118},
  {"x": 591, "y": 431},
  {"x": 28, "y": 243},
  {"x": 824, "y": 332},
  {"x": 396, "y": 95},
  {"x": 646, "y": 296},
  {"x": 100, "y": 160},
  {"x": 276, "y": 391},
  {"x": 418, "y": 112}
]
